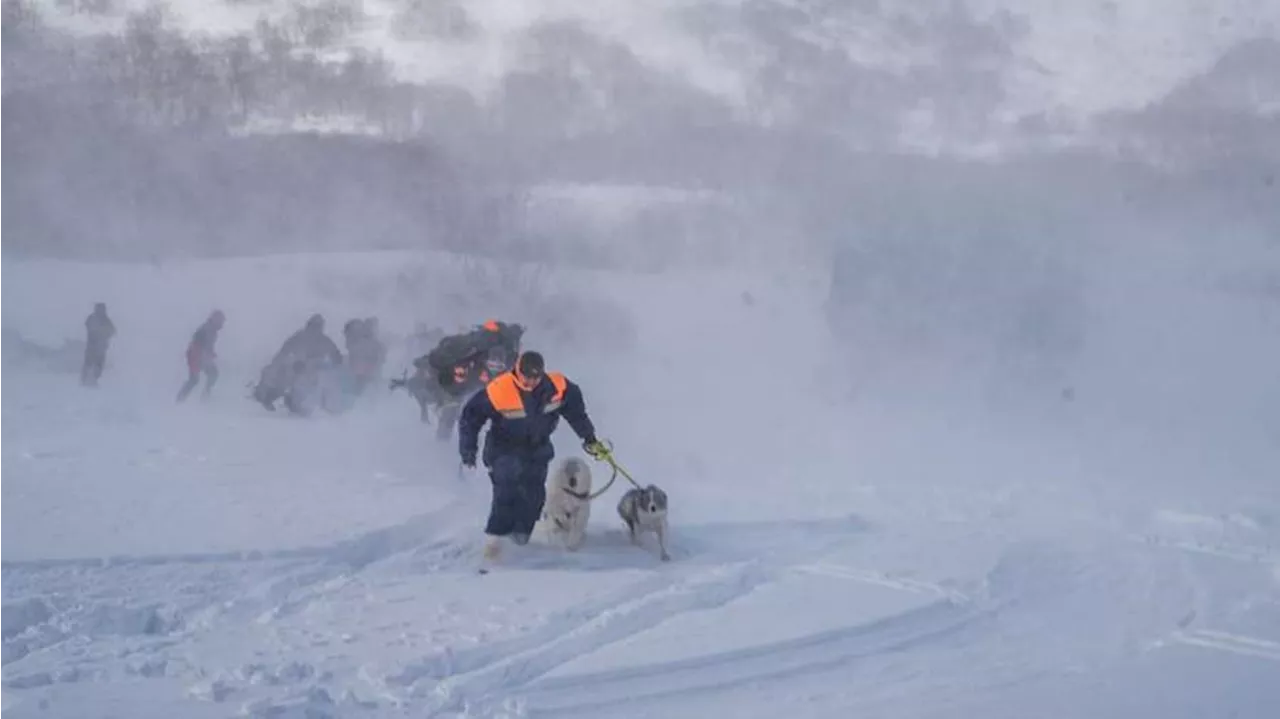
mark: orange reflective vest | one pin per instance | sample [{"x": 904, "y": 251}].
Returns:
[{"x": 505, "y": 395}]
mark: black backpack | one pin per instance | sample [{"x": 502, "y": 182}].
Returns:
[
  {"x": 509, "y": 339},
  {"x": 456, "y": 349}
]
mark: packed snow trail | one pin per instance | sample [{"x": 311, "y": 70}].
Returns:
[{"x": 209, "y": 559}]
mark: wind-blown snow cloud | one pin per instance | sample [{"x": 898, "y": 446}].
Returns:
[{"x": 949, "y": 327}]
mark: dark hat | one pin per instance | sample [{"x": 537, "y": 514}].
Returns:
[{"x": 531, "y": 363}]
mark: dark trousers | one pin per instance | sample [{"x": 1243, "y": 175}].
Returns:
[
  {"x": 95, "y": 357},
  {"x": 519, "y": 490},
  {"x": 447, "y": 418},
  {"x": 210, "y": 371},
  {"x": 450, "y": 409}
]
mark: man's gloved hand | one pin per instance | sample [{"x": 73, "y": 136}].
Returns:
[
  {"x": 596, "y": 449},
  {"x": 469, "y": 460}
]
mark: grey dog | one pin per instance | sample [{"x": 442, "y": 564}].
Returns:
[{"x": 645, "y": 510}]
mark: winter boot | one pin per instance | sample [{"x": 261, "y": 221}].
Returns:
[{"x": 492, "y": 549}]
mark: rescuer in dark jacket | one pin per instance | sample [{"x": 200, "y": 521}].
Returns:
[{"x": 523, "y": 407}]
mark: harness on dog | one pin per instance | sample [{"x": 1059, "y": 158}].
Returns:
[{"x": 588, "y": 496}]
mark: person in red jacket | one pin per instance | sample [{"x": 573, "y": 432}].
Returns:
[{"x": 201, "y": 357}]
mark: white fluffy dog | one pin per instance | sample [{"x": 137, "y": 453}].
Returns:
[{"x": 568, "y": 505}]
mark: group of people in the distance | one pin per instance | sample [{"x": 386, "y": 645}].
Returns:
[
  {"x": 309, "y": 370},
  {"x": 304, "y": 356},
  {"x": 473, "y": 378},
  {"x": 201, "y": 358}
]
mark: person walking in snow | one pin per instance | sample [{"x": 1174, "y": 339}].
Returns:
[
  {"x": 377, "y": 347},
  {"x": 523, "y": 407},
  {"x": 366, "y": 352},
  {"x": 463, "y": 364},
  {"x": 99, "y": 330},
  {"x": 201, "y": 357},
  {"x": 305, "y": 352}
]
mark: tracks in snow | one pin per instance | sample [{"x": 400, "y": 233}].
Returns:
[
  {"x": 735, "y": 668},
  {"x": 499, "y": 671},
  {"x": 883, "y": 579},
  {"x": 721, "y": 564},
  {"x": 1240, "y": 644},
  {"x": 148, "y": 605},
  {"x": 1026, "y": 585},
  {"x": 484, "y": 679}
]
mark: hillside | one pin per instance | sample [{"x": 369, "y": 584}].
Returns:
[
  {"x": 911, "y": 543},
  {"x": 141, "y": 130}
]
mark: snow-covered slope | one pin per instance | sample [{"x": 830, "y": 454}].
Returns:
[{"x": 842, "y": 547}]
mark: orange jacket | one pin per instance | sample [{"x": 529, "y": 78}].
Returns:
[{"x": 522, "y": 421}]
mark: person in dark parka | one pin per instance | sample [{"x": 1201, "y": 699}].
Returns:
[
  {"x": 99, "y": 329},
  {"x": 523, "y": 407},
  {"x": 366, "y": 352},
  {"x": 462, "y": 365},
  {"x": 306, "y": 350}
]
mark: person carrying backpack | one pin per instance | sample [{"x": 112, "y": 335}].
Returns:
[{"x": 464, "y": 363}]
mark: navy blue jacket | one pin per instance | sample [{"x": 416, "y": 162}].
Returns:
[{"x": 524, "y": 427}]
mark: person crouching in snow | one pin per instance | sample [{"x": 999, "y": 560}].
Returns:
[
  {"x": 306, "y": 352},
  {"x": 201, "y": 357},
  {"x": 524, "y": 406}
]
